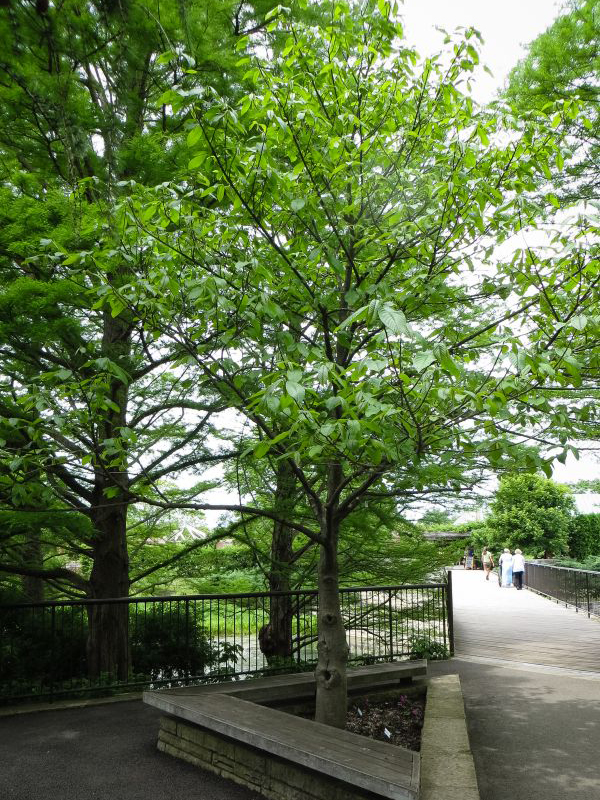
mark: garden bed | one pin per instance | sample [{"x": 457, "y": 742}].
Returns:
[
  {"x": 239, "y": 731},
  {"x": 396, "y": 720}
]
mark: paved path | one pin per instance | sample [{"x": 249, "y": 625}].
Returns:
[
  {"x": 530, "y": 672},
  {"x": 105, "y": 752},
  {"x": 535, "y": 735},
  {"x": 520, "y": 626}
]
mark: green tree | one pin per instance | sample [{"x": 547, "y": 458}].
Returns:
[
  {"x": 530, "y": 512},
  {"x": 101, "y": 415},
  {"x": 328, "y": 266},
  {"x": 584, "y": 536},
  {"x": 436, "y": 516},
  {"x": 562, "y": 64}
]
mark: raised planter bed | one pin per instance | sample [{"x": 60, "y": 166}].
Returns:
[{"x": 241, "y": 731}]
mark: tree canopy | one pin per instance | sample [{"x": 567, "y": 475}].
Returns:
[
  {"x": 530, "y": 512},
  {"x": 315, "y": 235},
  {"x": 563, "y": 64},
  {"x": 327, "y": 262}
]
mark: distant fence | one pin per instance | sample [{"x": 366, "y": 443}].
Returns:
[
  {"x": 174, "y": 641},
  {"x": 574, "y": 587}
]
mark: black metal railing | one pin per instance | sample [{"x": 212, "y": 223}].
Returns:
[
  {"x": 62, "y": 649},
  {"x": 573, "y": 587}
]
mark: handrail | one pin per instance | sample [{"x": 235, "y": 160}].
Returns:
[
  {"x": 227, "y": 596},
  {"x": 555, "y": 566},
  {"x": 64, "y": 648},
  {"x": 578, "y": 588}
]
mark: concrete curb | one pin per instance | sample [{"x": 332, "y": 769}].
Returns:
[
  {"x": 447, "y": 766},
  {"x": 60, "y": 705}
]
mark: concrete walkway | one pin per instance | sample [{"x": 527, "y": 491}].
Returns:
[
  {"x": 103, "y": 752},
  {"x": 530, "y": 673}
]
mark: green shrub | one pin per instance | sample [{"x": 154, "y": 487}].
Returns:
[
  {"x": 424, "y": 647},
  {"x": 173, "y": 646},
  {"x": 584, "y": 536},
  {"x": 38, "y": 645},
  {"x": 40, "y": 648},
  {"x": 591, "y": 563}
]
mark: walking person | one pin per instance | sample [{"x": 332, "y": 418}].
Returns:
[
  {"x": 518, "y": 568},
  {"x": 469, "y": 558},
  {"x": 488, "y": 562},
  {"x": 506, "y": 562}
]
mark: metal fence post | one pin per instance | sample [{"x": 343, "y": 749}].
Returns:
[
  {"x": 52, "y": 650},
  {"x": 587, "y": 587},
  {"x": 187, "y": 641},
  {"x": 390, "y": 625},
  {"x": 450, "y": 611},
  {"x": 298, "y": 628}
]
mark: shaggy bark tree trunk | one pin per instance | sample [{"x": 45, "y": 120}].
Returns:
[
  {"x": 330, "y": 674},
  {"x": 33, "y": 587},
  {"x": 108, "y": 636}
]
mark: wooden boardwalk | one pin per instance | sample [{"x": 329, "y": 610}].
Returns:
[{"x": 505, "y": 624}]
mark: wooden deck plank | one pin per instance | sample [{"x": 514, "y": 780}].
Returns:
[{"x": 521, "y": 626}]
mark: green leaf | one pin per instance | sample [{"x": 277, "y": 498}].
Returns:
[
  {"x": 423, "y": 360},
  {"x": 197, "y": 161},
  {"x": 194, "y": 136},
  {"x": 72, "y": 259},
  {"x": 262, "y": 449},
  {"x": 579, "y": 321},
  {"x": 165, "y": 58},
  {"x": 482, "y": 133},
  {"x": 553, "y": 199},
  {"x": 295, "y": 390},
  {"x": 333, "y": 402},
  {"x": 393, "y": 319},
  {"x": 298, "y": 204},
  {"x": 447, "y": 362},
  {"x": 562, "y": 457},
  {"x": 281, "y": 436},
  {"x": 470, "y": 159}
]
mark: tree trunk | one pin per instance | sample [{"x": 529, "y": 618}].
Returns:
[
  {"x": 33, "y": 587},
  {"x": 275, "y": 637},
  {"x": 108, "y": 637},
  {"x": 330, "y": 674}
]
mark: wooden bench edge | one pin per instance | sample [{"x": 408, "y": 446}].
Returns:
[{"x": 204, "y": 715}]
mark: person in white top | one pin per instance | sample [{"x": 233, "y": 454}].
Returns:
[
  {"x": 506, "y": 563},
  {"x": 518, "y": 568}
]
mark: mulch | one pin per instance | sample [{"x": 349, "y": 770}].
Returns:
[{"x": 398, "y": 721}]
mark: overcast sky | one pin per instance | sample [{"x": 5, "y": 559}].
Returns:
[{"x": 506, "y": 27}]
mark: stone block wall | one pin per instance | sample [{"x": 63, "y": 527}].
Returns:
[{"x": 270, "y": 776}]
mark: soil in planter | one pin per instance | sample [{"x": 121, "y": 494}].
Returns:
[{"x": 396, "y": 721}]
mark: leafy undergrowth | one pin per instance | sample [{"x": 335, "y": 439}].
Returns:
[{"x": 398, "y": 721}]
